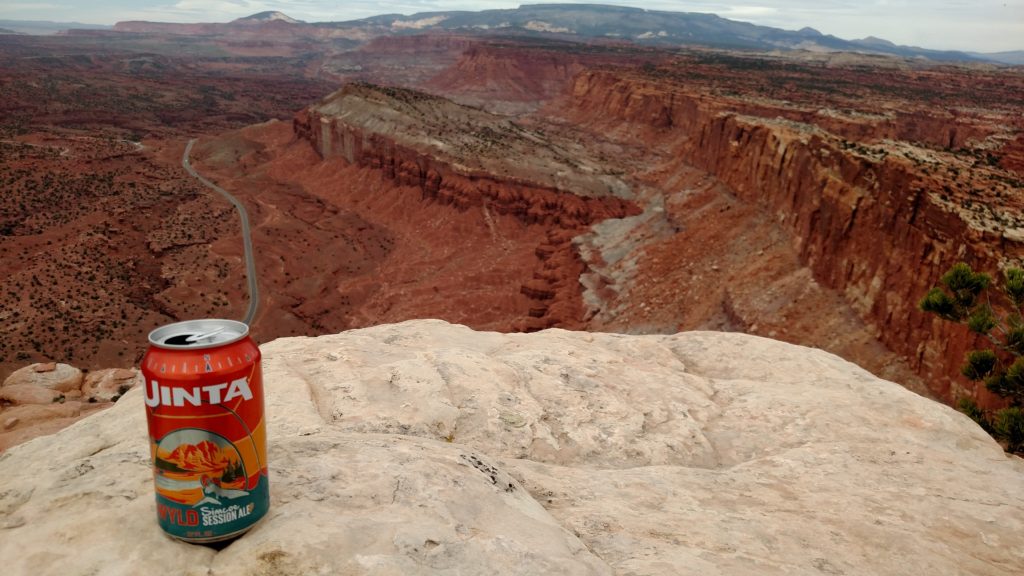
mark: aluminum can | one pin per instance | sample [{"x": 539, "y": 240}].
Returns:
[{"x": 207, "y": 429}]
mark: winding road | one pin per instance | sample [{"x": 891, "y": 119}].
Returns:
[{"x": 250, "y": 263}]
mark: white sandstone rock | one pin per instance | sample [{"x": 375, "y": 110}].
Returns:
[
  {"x": 22, "y": 394},
  {"x": 104, "y": 385},
  {"x": 60, "y": 377},
  {"x": 427, "y": 448}
]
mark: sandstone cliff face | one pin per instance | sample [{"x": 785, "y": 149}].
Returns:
[
  {"x": 393, "y": 60},
  {"x": 441, "y": 181},
  {"x": 428, "y": 448},
  {"x": 501, "y": 168},
  {"x": 867, "y": 223},
  {"x": 652, "y": 103},
  {"x": 497, "y": 78}
]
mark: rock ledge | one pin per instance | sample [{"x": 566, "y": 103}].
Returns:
[{"x": 427, "y": 448}]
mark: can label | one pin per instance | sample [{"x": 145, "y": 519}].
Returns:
[{"x": 207, "y": 439}]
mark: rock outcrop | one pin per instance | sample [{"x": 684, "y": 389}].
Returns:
[
  {"x": 20, "y": 394},
  {"x": 50, "y": 375},
  {"x": 44, "y": 397},
  {"x": 466, "y": 158},
  {"x": 428, "y": 448},
  {"x": 463, "y": 156},
  {"x": 897, "y": 185},
  {"x": 493, "y": 77},
  {"x": 109, "y": 384}
]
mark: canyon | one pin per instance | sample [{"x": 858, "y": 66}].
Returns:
[
  {"x": 878, "y": 202},
  {"x": 508, "y": 184}
]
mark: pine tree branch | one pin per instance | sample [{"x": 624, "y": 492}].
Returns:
[
  {"x": 1000, "y": 345},
  {"x": 999, "y": 320}
]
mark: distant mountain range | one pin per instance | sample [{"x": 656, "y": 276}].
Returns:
[
  {"x": 45, "y": 27},
  {"x": 645, "y": 27},
  {"x": 582, "y": 21},
  {"x": 264, "y": 17},
  {"x": 1015, "y": 57}
]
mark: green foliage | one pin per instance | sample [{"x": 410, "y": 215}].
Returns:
[
  {"x": 997, "y": 384},
  {"x": 965, "y": 284},
  {"x": 969, "y": 407},
  {"x": 1009, "y": 425},
  {"x": 1015, "y": 335},
  {"x": 938, "y": 302},
  {"x": 964, "y": 298},
  {"x": 1015, "y": 373},
  {"x": 1013, "y": 284},
  {"x": 982, "y": 320},
  {"x": 1013, "y": 382},
  {"x": 979, "y": 364}
]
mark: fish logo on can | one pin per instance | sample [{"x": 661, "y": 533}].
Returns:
[{"x": 207, "y": 429}]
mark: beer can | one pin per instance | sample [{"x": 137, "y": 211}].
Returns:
[{"x": 207, "y": 429}]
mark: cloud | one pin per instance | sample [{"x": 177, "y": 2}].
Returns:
[
  {"x": 26, "y": 7},
  {"x": 748, "y": 12},
  {"x": 220, "y": 7}
]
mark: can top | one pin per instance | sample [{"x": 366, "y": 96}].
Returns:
[{"x": 198, "y": 334}]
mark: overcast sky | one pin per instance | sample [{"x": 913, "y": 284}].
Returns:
[{"x": 980, "y": 25}]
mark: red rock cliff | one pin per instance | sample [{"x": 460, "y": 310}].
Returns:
[
  {"x": 870, "y": 226},
  {"x": 489, "y": 73},
  {"x": 554, "y": 285}
]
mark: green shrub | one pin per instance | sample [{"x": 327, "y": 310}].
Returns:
[
  {"x": 963, "y": 298},
  {"x": 969, "y": 407},
  {"x": 1009, "y": 425}
]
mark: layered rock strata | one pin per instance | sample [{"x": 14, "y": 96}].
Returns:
[
  {"x": 429, "y": 448},
  {"x": 495, "y": 77},
  {"x": 469, "y": 159},
  {"x": 875, "y": 219}
]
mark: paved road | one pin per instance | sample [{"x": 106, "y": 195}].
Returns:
[{"x": 250, "y": 263}]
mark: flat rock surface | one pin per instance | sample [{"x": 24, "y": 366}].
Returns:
[{"x": 427, "y": 448}]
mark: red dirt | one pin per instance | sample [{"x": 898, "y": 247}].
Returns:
[{"x": 811, "y": 198}]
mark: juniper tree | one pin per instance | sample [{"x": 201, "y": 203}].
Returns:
[{"x": 964, "y": 298}]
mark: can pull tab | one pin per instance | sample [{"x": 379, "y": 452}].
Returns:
[{"x": 204, "y": 335}]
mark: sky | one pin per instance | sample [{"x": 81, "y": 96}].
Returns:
[{"x": 973, "y": 25}]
